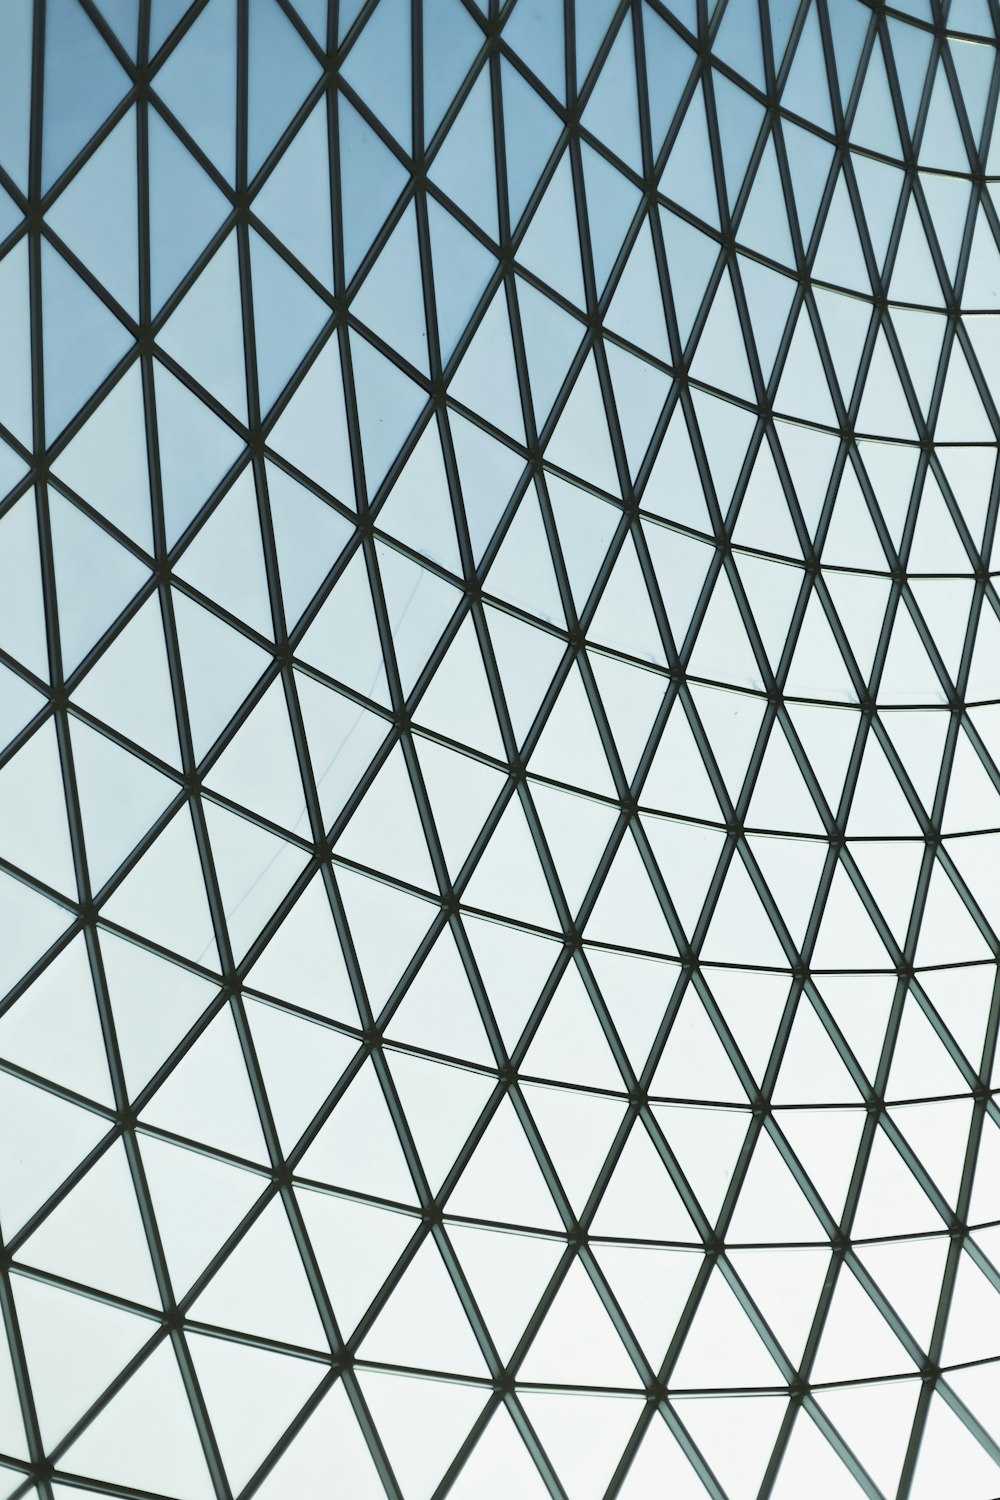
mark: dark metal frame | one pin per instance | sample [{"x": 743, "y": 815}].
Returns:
[{"x": 502, "y": 1387}]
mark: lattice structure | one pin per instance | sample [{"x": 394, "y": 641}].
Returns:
[{"x": 500, "y": 808}]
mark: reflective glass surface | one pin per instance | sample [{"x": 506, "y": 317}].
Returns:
[{"x": 500, "y": 766}]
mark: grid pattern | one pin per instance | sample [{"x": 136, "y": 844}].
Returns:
[{"x": 500, "y": 803}]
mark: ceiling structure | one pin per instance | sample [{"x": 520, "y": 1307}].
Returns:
[{"x": 499, "y": 807}]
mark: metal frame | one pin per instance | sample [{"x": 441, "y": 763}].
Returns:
[{"x": 675, "y": 681}]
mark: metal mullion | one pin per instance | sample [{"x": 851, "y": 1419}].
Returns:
[
  {"x": 64, "y": 1188},
  {"x": 584, "y": 88},
  {"x": 710, "y": 1258},
  {"x": 668, "y": 1413},
  {"x": 986, "y": 760},
  {"x": 438, "y": 1233},
  {"x": 970, "y": 1067},
  {"x": 767, "y": 49},
  {"x": 529, "y": 1437},
  {"x": 479, "y": 991},
  {"x": 844, "y": 856},
  {"x": 946, "y": 66},
  {"x": 564, "y": 911},
  {"x": 804, "y": 305},
  {"x": 836, "y": 88},
  {"x": 879, "y": 285},
  {"x": 370, "y": 1433},
  {"x": 651, "y": 580},
  {"x": 924, "y": 820},
  {"x": 425, "y": 812},
  {"x": 442, "y": 911},
  {"x": 810, "y": 247},
  {"x": 763, "y": 395},
  {"x": 629, "y": 823},
  {"x": 701, "y": 986},
  {"x": 146, "y": 591},
  {"x": 278, "y": 461},
  {"x": 431, "y": 1224},
  {"x": 215, "y": 406},
  {"x": 554, "y": 1285},
  {"x": 96, "y": 1407},
  {"x": 363, "y": 13},
  {"x": 99, "y": 290},
  {"x": 924, "y": 426},
  {"x": 579, "y": 1234},
  {"x": 476, "y": 66},
  {"x": 24, "y": 453},
  {"x": 691, "y": 946},
  {"x": 852, "y": 454},
  {"x": 952, "y": 299},
  {"x": 909, "y": 140},
  {"x": 699, "y": 450},
  {"x": 814, "y": 997},
  {"x": 571, "y": 1221},
  {"x": 698, "y": 70},
  {"x": 756, "y": 1318},
  {"x": 241, "y": 1339},
  {"x": 585, "y": 615},
  {"x": 704, "y": 1226},
  {"x": 773, "y": 678},
  {"x": 993, "y": 93},
  {"x": 401, "y": 1125},
  {"x": 682, "y": 693},
  {"x": 371, "y": 119},
  {"x": 111, "y": 884},
  {"x": 932, "y": 1380},
  {"x": 38, "y": 718},
  {"x": 110, "y": 529},
  {"x": 622, "y": 1060},
  {"x": 618, "y": 1319},
  {"x": 292, "y": 15},
  {"x": 824, "y": 810},
  {"x": 178, "y": 32},
  {"x": 505, "y": 1064},
  {"x": 281, "y": 250},
  {"x": 495, "y": 682},
  {"x": 10, "y": 1325},
  {"x": 855, "y": 1468},
  {"x": 548, "y": 521},
  {"x": 978, "y": 556},
  {"x": 44, "y": 200},
  {"x": 521, "y": 65},
  {"x": 986, "y": 396},
  {"x": 10, "y": 1329},
  {"x": 546, "y": 994},
  {"x": 624, "y": 789},
  {"x": 768, "y": 902},
  {"x": 979, "y": 203},
  {"x": 895, "y": 1133},
  {"x": 676, "y": 348},
  {"x": 36, "y": 1448},
  {"x": 339, "y": 1088},
  {"x": 800, "y": 246},
  {"x": 468, "y": 1446},
  {"x": 291, "y": 1432},
  {"x": 974, "y": 912},
  {"x": 204, "y": 161},
  {"x": 972, "y": 1422},
  {"x": 477, "y": 572}
]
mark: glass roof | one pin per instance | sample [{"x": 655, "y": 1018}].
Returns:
[{"x": 500, "y": 786}]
